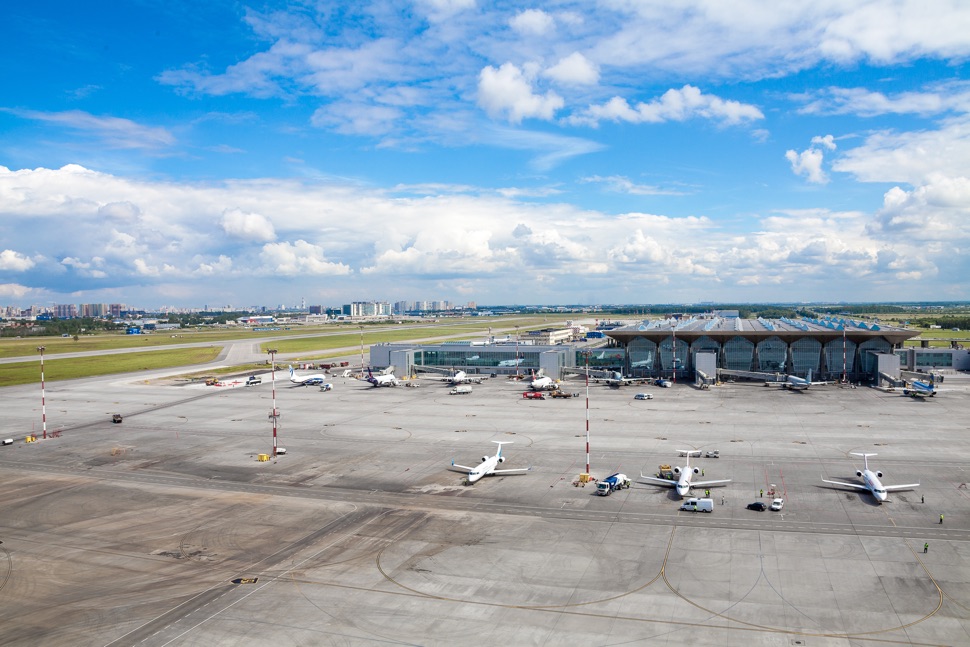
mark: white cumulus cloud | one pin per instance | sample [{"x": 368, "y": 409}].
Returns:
[
  {"x": 12, "y": 261},
  {"x": 508, "y": 90},
  {"x": 675, "y": 105},
  {"x": 297, "y": 258},
  {"x": 247, "y": 226}
]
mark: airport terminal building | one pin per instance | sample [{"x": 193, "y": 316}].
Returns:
[{"x": 829, "y": 349}]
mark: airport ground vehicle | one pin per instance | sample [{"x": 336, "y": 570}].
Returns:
[
  {"x": 560, "y": 394},
  {"x": 253, "y": 380},
  {"x": 7, "y": 441},
  {"x": 211, "y": 381},
  {"x": 460, "y": 390},
  {"x": 698, "y": 505},
  {"x": 533, "y": 395},
  {"x": 116, "y": 418},
  {"x": 664, "y": 383},
  {"x": 714, "y": 453},
  {"x": 666, "y": 472},
  {"x": 612, "y": 482},
  {"x": 777, "y": 504},
  {"x": 643, "y": 396},
  {"x": 326, "y": 387},
  {"x": 757, "y": 506}
]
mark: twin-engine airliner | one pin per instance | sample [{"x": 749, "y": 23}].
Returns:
[
  {"x": 684, "y": 476},
  {"x": 487, "y": 466},
  {"x": 872, "y": 482}
]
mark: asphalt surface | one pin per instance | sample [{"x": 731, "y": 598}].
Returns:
[{"x": 166, "y": 529}]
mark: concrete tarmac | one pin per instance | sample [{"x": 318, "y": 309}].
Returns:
[{"x": 166, "y": 530}]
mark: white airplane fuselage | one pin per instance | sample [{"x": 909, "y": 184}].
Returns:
[
  {"x": 874, "y": 484},
  {"x": 306, "y": 380},
  {"x": 485, "y": 467}
]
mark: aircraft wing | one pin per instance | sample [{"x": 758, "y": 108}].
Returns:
[
  {"x": 705, "y": 483},
  {"x": 512, "y": 471},
  {"x": 459, "y": 468},
  {"x": 890, "y": 488},
  {"x": 656, "y": 481},
  {"x": 852, "y": 485}
]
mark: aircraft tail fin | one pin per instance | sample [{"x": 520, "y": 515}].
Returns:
[
  {"x": 865, "y": 457},
  {"x": 500, "y": 443}
]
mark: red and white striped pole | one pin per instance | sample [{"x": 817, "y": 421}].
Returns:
[
  {"x": 587, "y": 411},
  {"x": 43, "y": 399},
  {"x": 275, "y": 414}
]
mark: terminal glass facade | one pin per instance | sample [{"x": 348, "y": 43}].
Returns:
[
  {"x": 834, "y": 352},
  {"x": 867, "y": 353},
  {"x": 772, "y": 355},
  {"x": 702, "y": 344},
  {"x": 671, "y": 357},
  {"x": 806, "y": 355},
  {"x": 643, "y": 356},
  {"x": 465, "y": 358},
  {"x": 738, "y": 354},
  {"x": 934, "y": 360}
]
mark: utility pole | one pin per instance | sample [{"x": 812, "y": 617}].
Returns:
[
  {"x": 275, "y": 414},
  {"x": 43, "y": 399},
  {"x": 586, "y": 355}
]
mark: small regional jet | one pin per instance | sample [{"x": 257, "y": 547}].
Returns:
[
  {"x": 456, "y": 377},
  {"x": 487, "y": 466},
  {"x": 872, "y": 483},
  {"x": 684, "y": 476},
  {"x": 919, "y": 389},
  {"x": 542, "y": 382},
  {"x": 795, "y": 383},
  {"x": 316, "y": 379},
  {"x": 384, "y": 379}
]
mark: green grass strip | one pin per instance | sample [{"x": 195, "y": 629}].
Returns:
[{"x": 69, "y": 369}]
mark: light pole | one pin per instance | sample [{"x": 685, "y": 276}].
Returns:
[
  {"x": 586, "y": 355},
  {"x": 275, "y": 414},
  {"x": 361, "y": 329},
  {"x": 43, "y": 399}
]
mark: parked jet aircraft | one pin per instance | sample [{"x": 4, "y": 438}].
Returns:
[
  {"x": 795, "y": 383},
  {"x": 487, "y": 466},
  {"x": 307, "y": 380},
  {"x": 872, "y": 483},
  {"x": 542, "y": 382},
  {"x": 461, "y": 377},
  {"x": 919, "y": 389},
  {"x": 384, "y": 379},
  {"x": 684, "y": 476}
]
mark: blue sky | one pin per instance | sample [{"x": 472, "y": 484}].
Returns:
[{"x": 234, "y": 153}]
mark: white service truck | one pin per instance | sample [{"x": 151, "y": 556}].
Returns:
[
  {"x": 698, "y": 505},
  {"x": 460, "y": 390}
]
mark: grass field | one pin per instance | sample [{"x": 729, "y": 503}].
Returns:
[{"x": 72, "y": 368}]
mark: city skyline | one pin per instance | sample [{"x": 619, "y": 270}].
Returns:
[{"x": 580, "y": 153}]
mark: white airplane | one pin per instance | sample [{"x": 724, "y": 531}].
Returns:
[
  {"x": 684, "y": 476},
  {"x": 384, "y": 379},
  {"x": 542, "y": 382},
  {"x": 511, "y": 362},
  {"x": 487, "y": 466},
  {"x": 795, "y": 383},
  {"x": 919, "y": 389},
  {"x": 872, "y": 482},
  {"x": 307, "y": 380},
  {"x": 461, "y": 377}
]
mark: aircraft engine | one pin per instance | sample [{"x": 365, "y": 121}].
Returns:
[
  {"x": 878, "y": 474},
  {"x": 501, "y": 459},
  {"x": 484, "y": 458},
  {"x": 696, "y": 471},
  {"x": 858, "y": 473},
  {"x": 677, "y": 471}
]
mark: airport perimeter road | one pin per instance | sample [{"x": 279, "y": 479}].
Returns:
[{"x": 166, "y": 530}]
